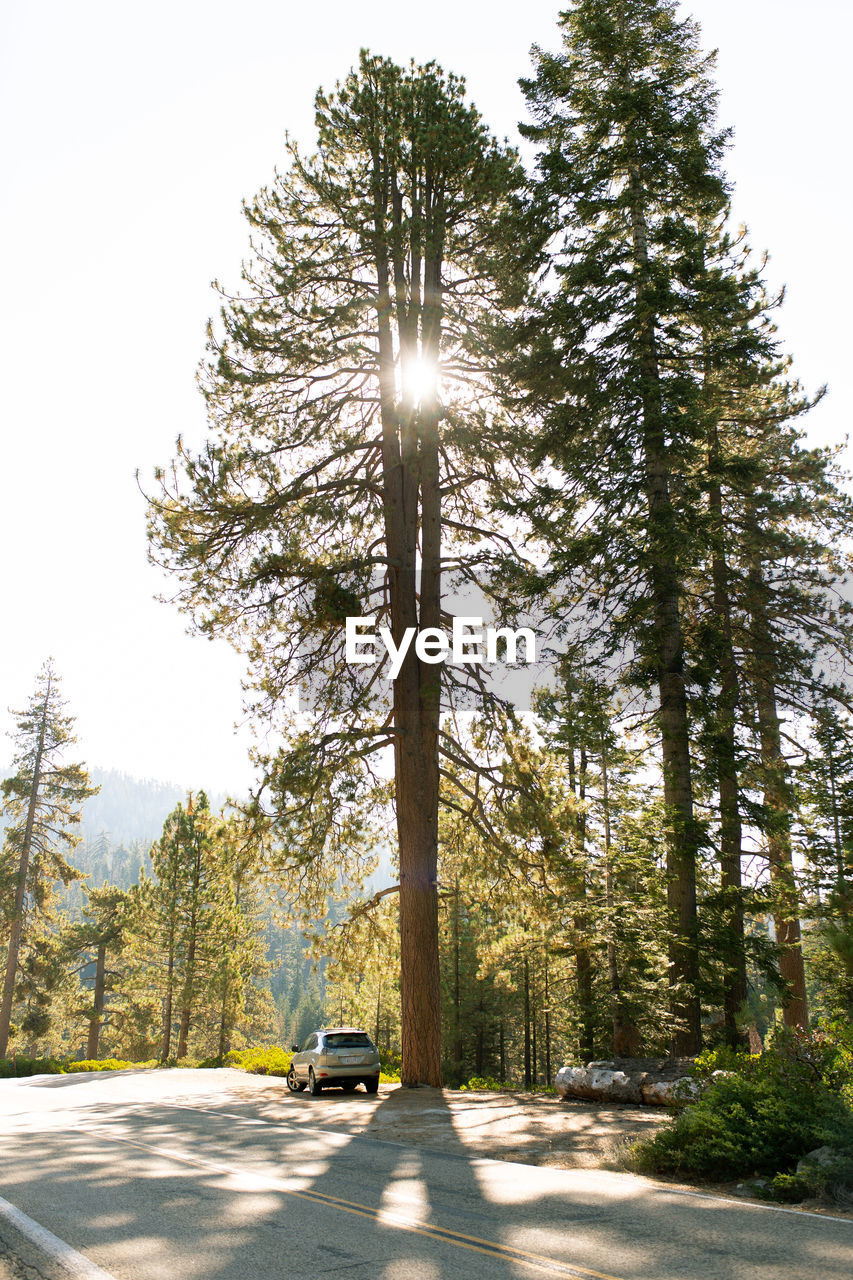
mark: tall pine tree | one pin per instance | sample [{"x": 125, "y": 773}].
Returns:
[
  {"x": 42, "y": 798},
  {"x": 629, "y": 168},
  {"x": 354, "y": 443}
]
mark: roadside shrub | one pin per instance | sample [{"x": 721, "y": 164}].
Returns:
[
  {"x": 392, "y": 1064},
  {"x": 789, "y": 1188},
  {"x": 503, "y": 1086},
  {"x": 275, "y": 1061},
  {"x": 10, "y": 1068},
  {"x": 830, "y": 1180},
  {"x": 272, "y": 1061},
  {"x": 105, "y": 1064},
  {"x": 758, "y": 1114},
  {"x": 837, "y": 1037},
  {"x": 486, "y": 1082}
]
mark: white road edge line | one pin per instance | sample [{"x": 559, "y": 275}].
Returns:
[{"x": 73, "y": 1262}]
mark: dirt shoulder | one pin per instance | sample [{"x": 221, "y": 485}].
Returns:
[
  {"x": 528, "y": 1127},
  {"x": 531, "y": 1128}
]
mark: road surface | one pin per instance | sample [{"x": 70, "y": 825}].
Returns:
[{"x": 185, "y": 1175}]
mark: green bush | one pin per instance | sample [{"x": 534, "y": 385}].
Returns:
[
  {"x": 837, "y": 1037},
  {"x": 9, "y": 1068},
  {"x": 830, "y": 1181},
  {"x": 759, "y": 1114},
  {"x": 485, "y": 1082},
  {"x": 271, "y": 1061},
  {"x": 392, "y": 1064},
  {"x": 105, "y": 1064},
  {"x": 503, "y": 1086},
  {"x": 12, "y": 1067},
  {"x": 274, "y": 1061}
]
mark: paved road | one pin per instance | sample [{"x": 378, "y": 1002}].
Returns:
[{"x": 180, "y": 1176}]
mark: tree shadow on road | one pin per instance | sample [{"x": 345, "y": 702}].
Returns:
[
  {"x": 72, "y": 1078},
  {"x": 282, "y": 1186}
]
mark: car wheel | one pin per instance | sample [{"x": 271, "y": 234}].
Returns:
[
  {"x": 314, "y": 1086},
  {"x": 372, "y": 1086},
  {"x": 348, "y": 1086},
  {"x": 294, "y": 1085}
]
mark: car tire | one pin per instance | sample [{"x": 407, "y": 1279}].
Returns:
[
  {"x": 294, "y": 1085},
  {"x": 314, "y": 1086},
  {"x": 372, "y": 1086}
]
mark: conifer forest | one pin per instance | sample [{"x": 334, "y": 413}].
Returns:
[{"x": 543, "y": 385}]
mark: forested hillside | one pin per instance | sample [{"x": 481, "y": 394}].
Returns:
[
  {"x": 129, "y": 809},
  {"x": 92, "y": 970}
]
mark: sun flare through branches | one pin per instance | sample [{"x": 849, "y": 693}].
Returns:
[{"x": 420, "y": 381}]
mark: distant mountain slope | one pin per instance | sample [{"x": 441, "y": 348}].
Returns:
[{"x": 129, "y": 809}]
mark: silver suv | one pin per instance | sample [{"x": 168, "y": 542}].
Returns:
[{"x": 340, "y": 1056}]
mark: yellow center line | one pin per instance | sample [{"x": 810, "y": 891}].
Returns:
[{"x": 431, "y": 1230}]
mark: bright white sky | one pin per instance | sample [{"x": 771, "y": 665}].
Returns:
[{"x": 132, "y": 135}]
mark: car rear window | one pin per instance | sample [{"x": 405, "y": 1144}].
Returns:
[{"x": 349, "y": 1040}]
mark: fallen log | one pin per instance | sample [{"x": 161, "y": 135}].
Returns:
[{"x": 655, "y": 1082}]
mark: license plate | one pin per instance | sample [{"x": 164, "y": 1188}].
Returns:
[{"x": 350, "y": 1061}]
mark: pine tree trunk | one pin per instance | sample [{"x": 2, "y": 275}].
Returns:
[
  {"x": 527, "y": 1067},
  {"x": 98, "y": 1008},
  {"x": 842, "y": 891},
  {"x": 21, "y": 888},
  {"x": 169, "y": 996},
  {"x": 735, "y": 991},
  {"x": 378, "y": 1011},
  {"x": 547, "y": 1024},
  {"x": 457, "y": 995},
  {"x": 626, "y": 1037},
  {"x": 682, "y": 839},
  {"x": 187, "y": 996},
  {"x": 222, "y": 1047},
  {"x": 583, "y": 960},
  {"x": 777, "y": 804},
  {"x": 417, "y": 829},
  {"x": 480, "y": 1046},
  {"x": 534, "y": 1057},
  {"x": 167, "y": 1010},
  {"x": 410, "y": 473},
  {"x": 188, "y": 991},
  {"x": 583, "y": 976},
  {"x": 840, "y": 878}
]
